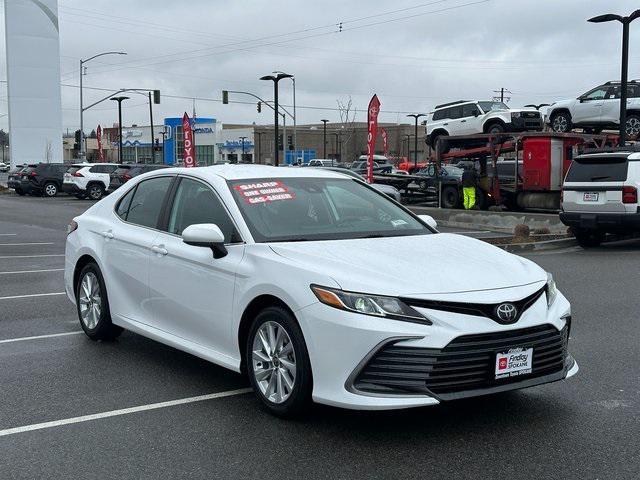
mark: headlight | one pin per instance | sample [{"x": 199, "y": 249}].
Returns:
[
  {"x": 515, "y": 114},
  {"x": 552, "y": 291},
  {"x": 375, "y": 305}
]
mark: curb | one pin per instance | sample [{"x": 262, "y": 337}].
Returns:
[{"x": 540, "y": 246}]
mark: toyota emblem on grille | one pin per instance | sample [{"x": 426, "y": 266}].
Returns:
[{"x": 506, "y": 312}]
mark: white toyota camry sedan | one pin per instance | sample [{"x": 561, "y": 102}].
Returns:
[{"x": 315, "y": 285}]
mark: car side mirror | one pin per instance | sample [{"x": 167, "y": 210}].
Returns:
[
  {"x": 429, "y": 220},
  {"x": 205, "y": 235},
  {"x": 476, "y": 113}
]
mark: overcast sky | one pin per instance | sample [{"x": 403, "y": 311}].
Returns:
[{"x": 413, "y": 54}]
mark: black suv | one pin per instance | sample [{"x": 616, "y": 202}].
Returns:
[
  {"x": 43, "y": 179},
  {"x": 13, "y": 180},
  {"x": 126, "y": 172}
]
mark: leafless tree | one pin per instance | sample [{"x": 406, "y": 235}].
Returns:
[{"x": 347, "y": 114}]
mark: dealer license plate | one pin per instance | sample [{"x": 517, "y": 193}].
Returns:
[
  {"x": 517, "y": 361},
  {"x": 590, "y": 196}
]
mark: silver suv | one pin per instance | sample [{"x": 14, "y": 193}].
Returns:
[
  {"x": 597, "y": 109},
  {"x": 600, "y": 195}
]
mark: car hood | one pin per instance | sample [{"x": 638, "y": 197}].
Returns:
[{"x": 415, "y": 265}]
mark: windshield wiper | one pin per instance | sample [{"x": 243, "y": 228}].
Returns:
[{"x": 600, "y": 177}]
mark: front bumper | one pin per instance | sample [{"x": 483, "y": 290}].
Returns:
[
  {"x": 341, "y": 344},
  {"x": 606, "y": 222},
  {"x": 521, "y": 124}
]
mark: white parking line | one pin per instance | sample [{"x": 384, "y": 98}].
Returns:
[
  {"x": 31, "y": 256},
  {"x": 32, "y": 295},
  {"x": 38, "y": 337},
  {"x": 34, "y": 271},
  {"x": 8, "y": 234},
  {"x": 26, "y": 243},
  {"x": 122, "y": 411}
]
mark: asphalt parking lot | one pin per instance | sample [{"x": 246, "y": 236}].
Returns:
[{"x": 72, "y": 408}]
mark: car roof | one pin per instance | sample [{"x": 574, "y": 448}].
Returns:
[{"x": 244, "y": 171}]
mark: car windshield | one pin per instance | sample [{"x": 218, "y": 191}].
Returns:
[
  {"x": 598, "y": 169},
  {"x": 491, "y": 106},
  {"x": 305, "y": 209},
  {"x": 72, "y": 170},
  {"x": 121, "y": 170}
]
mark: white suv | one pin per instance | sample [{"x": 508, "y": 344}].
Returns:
[
  {"x": 597, "y": 109},
  {"x": 88, "y": 179},
  {"x": 600, "y": 195},
  {"x": 470, "y": 117}
]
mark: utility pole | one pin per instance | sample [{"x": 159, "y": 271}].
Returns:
[
  {"x": 502, "y": 97},
  {"x": 324, "y": 138},
  {"x": 259, "y": 146}
]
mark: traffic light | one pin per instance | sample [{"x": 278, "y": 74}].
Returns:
[
  {"x": 259, "y": 107},
  {"x": 78, "y": 140},
  {"x": 225, "y": 97},
  {"x": 157, "y": 145},
  {"x": 156, "y": 97}
]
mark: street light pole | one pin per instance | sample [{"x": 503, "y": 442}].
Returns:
[
  {"x": 416, "y": 116},
  {"x": 82, "y": 62},
  {"x": 242, "y": 139},
  {"x": 324, "y": 138},
  {"x": 625, "y": 64},
  {"x": 119, "y": 100},
  {"x": 275, "y": 80}
]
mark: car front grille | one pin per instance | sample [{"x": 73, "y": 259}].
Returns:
[{"x": 466, "y": 363}]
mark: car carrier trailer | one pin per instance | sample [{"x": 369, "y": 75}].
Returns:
[{"x": 532, "y": 167}]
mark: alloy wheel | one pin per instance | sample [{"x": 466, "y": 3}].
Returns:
[
  {"x": 50, "y": 190},
  {"x": 274, "y": 362},
  {"x": 95, "y": 192},
  {"x": 90, "y": 301},
  {"x": 560, "y": 124},
  {"x": 633, "y": 126}
]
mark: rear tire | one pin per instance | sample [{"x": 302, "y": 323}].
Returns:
[
  {"x": 440, "y": 143},
  {"x": 450, "y": 197},
  {"x": 588, "y": 238},
  {"x": 50, "y": 189},
  {"x": 95, "y": 191},
  {"x": 92, "y": 305},
  {"x": 19, "y": 191},
  {"x": 278, "y": 363}
]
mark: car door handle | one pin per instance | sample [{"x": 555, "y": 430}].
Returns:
[
  {"x": 159, "y": 249},
  {"x": 463, "y": 121},
  {"x": 446, "y": 123},
  {"x": 108, "y": 234}
]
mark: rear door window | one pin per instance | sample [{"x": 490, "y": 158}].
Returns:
[
  {"x": 598, "y": 169},
  {"x": 147, "y": 201}
]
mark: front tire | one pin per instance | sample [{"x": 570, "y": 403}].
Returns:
[
  {"x": 93, "y": 305},
  {"x": 632, "y": 126},
  {"x": 561, "y": 122},
  {"x": 20, "y": 192},
  {"x": 278, "y": 363},
  {"x": 496, "y": 128}
]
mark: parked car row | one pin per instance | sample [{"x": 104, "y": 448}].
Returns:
[{"x": 83, "y": 180}]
